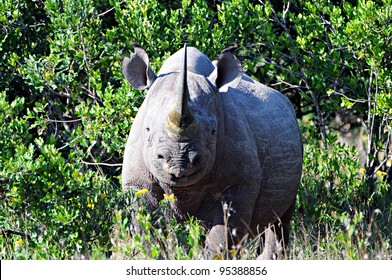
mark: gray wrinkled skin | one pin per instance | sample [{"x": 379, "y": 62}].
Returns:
[{"x": 236, "y": 142}]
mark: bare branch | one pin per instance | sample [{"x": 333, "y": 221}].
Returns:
[
  {"x": 5, "y": 232},
  {"x": 103, "y": 164},
  {"x": 352, "y": 99},
  {"x": 108, "y": 11},
  {"x": 68, "y": 144},
  {"x": 65, "y": 121},
  {"x": 370, "y": 120}
]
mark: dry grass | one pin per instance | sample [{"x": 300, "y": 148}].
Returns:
[{"x": 342, "y": 239}]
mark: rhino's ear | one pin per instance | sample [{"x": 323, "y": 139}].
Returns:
[
  {"x": 137, "y": 69},
  {"x": 228, "y": 72}
]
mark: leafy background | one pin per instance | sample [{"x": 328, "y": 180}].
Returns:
[{"x": 66, "y": 110}]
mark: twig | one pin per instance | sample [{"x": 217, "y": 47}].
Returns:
[
  {"x": 5, "y": 232},
  {"x": 106, "y": 12},
  {"x": 35, "y": 25},
  {"x": 65, "y": 121},
  {"x": 370, "y": 120},
  {"x": 68, "y": 144},
  {"x": 379, "y": 166},
  {"x": 102, "y": 163},
  {"x": 352, "y": 99}
]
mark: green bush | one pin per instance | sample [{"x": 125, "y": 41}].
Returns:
[{"x": 66, "y": 110}]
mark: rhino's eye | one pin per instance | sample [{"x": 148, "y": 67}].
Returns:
[
  {"x": 148, "y": 136},
  {"x": 213, "y": 132}
]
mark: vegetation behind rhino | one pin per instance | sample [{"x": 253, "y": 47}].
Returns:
[{"x": 212, "y": 136}]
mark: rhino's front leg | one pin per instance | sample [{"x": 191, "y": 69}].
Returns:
[
  {"x": 215, "y": 242},
  {"x": 231, "y": 222},
  {"x": 224, "y": 237},
  {"x": 271, "y": 246}
]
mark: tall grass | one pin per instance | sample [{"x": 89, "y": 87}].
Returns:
[{"x": 342, "y": 238}]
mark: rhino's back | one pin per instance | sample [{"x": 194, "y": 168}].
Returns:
[{"x": 263, "y": 120}]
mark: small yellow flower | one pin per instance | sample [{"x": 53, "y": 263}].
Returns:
[
  {"x": 381, "y": 173},
  {"x": 233, "y": 252},
  {"x": 169, "y": 197},
  {"x": 19, "y": 242},
  {"x": 219, "y": 257},
  {"x": 90, "y": 205},
  {"x": 362, "y": 170},
  {"x": 330, "y": 91},
  {"x": 141, "y": 192}
]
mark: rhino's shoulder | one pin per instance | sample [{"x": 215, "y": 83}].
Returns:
[
  {"x": 259, "y": 100},
  {"x": 259, "y": 113},
  {"x": 250, "y": 87}
]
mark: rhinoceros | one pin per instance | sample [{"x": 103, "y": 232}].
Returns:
[{"x": 215, "y": 139}]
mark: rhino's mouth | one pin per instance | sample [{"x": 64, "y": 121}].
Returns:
[
  {"x": 178, "y": 175},
  {"x": 184, "y": 181},
  {"x": 181, "y": 167}
]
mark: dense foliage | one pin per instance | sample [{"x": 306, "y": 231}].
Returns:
[{"x": 66, "y": 110}]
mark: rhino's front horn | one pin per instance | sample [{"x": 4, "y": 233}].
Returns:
[{"x": 180, "y": 120}]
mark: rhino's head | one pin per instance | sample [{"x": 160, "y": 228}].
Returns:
[{"x": 180, "y": 125}]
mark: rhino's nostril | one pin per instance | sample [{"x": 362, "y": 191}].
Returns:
[
  {"x": 195, "y": 160},
  {"x": 163, "y": 155},
  {"x": 159, "y": 156}
]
